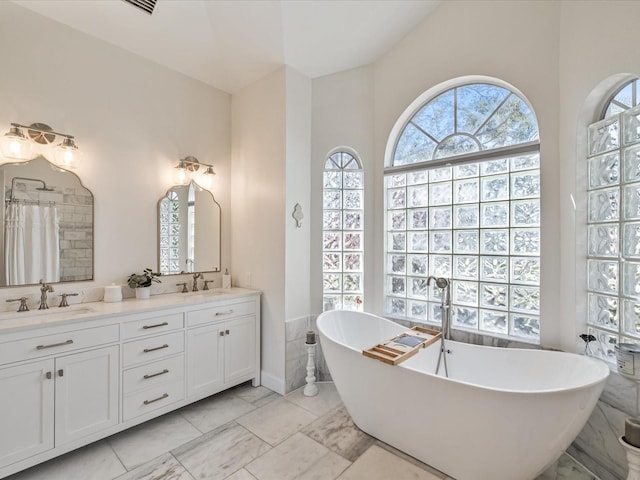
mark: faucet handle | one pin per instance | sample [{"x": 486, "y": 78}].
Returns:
[
  {"x": 206, "y": 284},
  {"x": 63, "y": 301},
  {"x": 23, "y": 303},
  {"x": 184, "y": 287}
]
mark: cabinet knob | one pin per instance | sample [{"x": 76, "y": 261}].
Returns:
[
  {"x": 221, "y": 333},
  {"x": 226, "y": 332},
  {"x": 61, "y": 373},
  {"x": 48, "y": 375}
]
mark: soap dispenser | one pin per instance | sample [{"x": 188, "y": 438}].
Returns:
[{"x": 226, "y": 279}]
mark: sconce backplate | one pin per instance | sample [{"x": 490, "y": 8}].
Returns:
[{"x": 39, "y": 135}]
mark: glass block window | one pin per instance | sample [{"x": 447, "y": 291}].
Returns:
[
  {"x": 474, "y": 219},
  {"x": 343, "y": 233},
  {"x": 170, "y": 233},
  {"x": 613, "y": 224}
]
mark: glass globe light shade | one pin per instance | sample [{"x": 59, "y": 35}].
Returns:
[
  {"x": 67, "y": 155},
  {"x": 15, "y": 145},
  {"x": 181, "y": 174}
]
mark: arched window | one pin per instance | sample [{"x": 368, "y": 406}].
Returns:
[
  {"x": 613, "y": 223},
  {"x": 342, "y": 232},
  {"x": 463, "y": 202}
]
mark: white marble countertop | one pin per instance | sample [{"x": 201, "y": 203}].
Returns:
[{"x": 16, "y": 321}]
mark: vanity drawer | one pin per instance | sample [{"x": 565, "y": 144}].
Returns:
[
  {"x": 151, "y": 399},
  {"x": 152, "y": 325},
  {"x": 167, "y": 370},
  {"x": 56, "y": 343},
  {"x": 198, "y": 317},
  {"x": 152, "y": 348}
]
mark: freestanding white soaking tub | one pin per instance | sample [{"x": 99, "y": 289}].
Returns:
[{"x": 503, "y": 414}]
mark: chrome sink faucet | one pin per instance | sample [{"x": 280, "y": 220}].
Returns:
[
  {"x": 196, "y": 276},
  {"x": 44, "y": 289}
]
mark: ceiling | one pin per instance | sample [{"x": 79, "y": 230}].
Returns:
[{"x": 229, "y": 44}]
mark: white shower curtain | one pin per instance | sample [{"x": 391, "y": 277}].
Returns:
[{"x": 32, "y": 246}]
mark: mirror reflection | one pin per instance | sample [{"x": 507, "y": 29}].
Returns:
[
  {"x": 48, "y": 225},
  {"x": 188, "y": 231}
]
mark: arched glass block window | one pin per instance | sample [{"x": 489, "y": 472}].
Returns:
[
  {"x": 170, "y": 234},
  {"x": 463, "y": 202},
  {"x": 613, "y": 223},
  {"x": 343, "y": 232}
]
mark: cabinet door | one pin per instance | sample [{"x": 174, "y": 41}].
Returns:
[
  {"x": 204, "y": 360},
  {"x": 26, "y": 410},
  {"x": 240, "y": 349},
  {"x": 86, "y": 393}
]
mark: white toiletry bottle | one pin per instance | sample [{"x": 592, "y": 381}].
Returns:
[{"x": 226, "y": 279}]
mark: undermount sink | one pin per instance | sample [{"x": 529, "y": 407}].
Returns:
[{"x": 53, "y": 313}]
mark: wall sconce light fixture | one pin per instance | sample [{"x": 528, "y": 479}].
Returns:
[
  {"x": 38, "y": 141},
  {"x": 187, "y": 169}
]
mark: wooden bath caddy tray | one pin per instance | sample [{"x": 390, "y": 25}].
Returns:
[{"x": 403, "y": 346}]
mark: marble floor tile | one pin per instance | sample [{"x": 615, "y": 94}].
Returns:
[
  {"x": 566, "y": 468},
  {"x": 276, "y": 421},
  {"x": 298, "y": 458},
  {"x": 221, "y": 452},
  {"x": 165, "y": 467},
  {"x": 213, "y": 412},
  {"x": 379, "y": 464},
  {"x": 93, "y": 462},
  {"x": 327, "y": 399},
  {"x": 336, "y": 431},
  {"x": 241, "y": 474},
  {"x": 149, "y": 440},
  {"x": 412, "y": 460},
  {"x": 249, "y": 393}
]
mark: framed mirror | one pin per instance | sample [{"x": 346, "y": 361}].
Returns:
[
  {"x": 47, "y": 225},
  {"x": 188, "y": 231}
]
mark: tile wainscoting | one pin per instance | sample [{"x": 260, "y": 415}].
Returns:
[{"x": 296, "y": 353}]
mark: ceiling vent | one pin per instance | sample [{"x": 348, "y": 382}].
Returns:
[{"x": 144, "y": 5}]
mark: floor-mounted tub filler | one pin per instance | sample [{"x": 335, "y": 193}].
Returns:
[{"x": 503, "y": 414}]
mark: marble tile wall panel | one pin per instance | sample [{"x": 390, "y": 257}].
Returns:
[
  {"x": 597, "y": 446},
  {"x": 296, "y": 353},
  {"x": 621, "y": 393}
]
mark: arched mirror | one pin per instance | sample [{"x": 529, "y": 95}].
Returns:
[
  {"x": 47, "y": 225},
  {"x": 188, "y": 231}
]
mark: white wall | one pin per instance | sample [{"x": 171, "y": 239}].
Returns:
[
  {"x": 298, "y": 152},
  {"x": 258, "y": 183},
  {"x": 132, "y": 118}
]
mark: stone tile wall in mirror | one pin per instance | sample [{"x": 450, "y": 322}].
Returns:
[{"x": 47, "y": 225}]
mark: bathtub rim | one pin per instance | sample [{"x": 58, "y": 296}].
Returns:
[{"x": 603, "y": 369}]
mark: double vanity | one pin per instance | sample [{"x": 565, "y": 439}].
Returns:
[{"x": 71, "y": 376}]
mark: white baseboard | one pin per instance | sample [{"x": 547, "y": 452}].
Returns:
[{"x": 272, "y": 382}]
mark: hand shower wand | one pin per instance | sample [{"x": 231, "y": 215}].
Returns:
[{"x": 445, "y": 306}]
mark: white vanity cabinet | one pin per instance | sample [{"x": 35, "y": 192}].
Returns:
[
  {"x": 61, "y": 397},
  {"x": 222, "y": 348},
  {"x": 66, "y": 381}
]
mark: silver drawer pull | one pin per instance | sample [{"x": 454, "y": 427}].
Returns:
[
  {"x": 164, "y": 395},
  {"x": 228, "y": 312},
  {"x": 42, "y": 347},
  {"x": 163, "y": 324},
  {"x": 147, "y": 350},
  {"x": 151, "y": 375}
]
